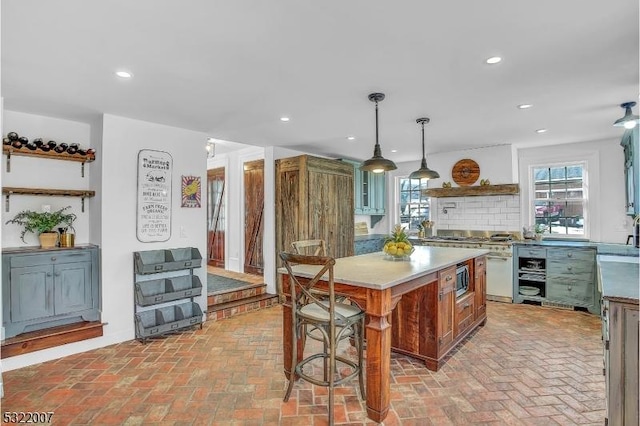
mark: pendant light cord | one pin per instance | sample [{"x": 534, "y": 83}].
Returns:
[
  {"x": 423, "y": 157},
  {"x": 377, "y": 123}
]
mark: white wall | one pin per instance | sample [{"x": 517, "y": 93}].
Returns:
[
  {"x": 30, "y": 172},
  {"x": 605, "y": 184},
  {"x": 122, "y": 138},
  {"x": 496, "y": 164}
]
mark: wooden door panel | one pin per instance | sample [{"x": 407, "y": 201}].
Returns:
[
  {"x": 254, "y": 221},
  {"x": 216, "y": 225}
]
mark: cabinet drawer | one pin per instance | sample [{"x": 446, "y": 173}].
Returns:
[
  {"x": 567, "y": 254},
  {"x": 571, "y": 291},
  {"x": 465, "y": 308},
  {"x": 532, "y": 252},
  {"x": 447, "y": 279},
  {"x": 570, "y": 268},
  {"x": 50, "y": 258}
]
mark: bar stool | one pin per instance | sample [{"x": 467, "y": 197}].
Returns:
[
  {"x": 312, "y": 247},
  {"x": 317, "y": 307}
]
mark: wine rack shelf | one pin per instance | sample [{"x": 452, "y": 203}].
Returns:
[
  {"x": 83, "y": 193},
  {"x": 470, "y": 191},
  {"x": 10, "y": 151}
]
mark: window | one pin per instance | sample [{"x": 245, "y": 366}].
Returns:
[
  {"x": 560, "y": 198},
  {"x": 413, "y": 206}
]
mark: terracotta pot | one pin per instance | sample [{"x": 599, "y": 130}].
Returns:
[{"x": 48, "y": 239}]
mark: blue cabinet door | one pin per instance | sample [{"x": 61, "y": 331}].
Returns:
[
  {"x": 31, "y": 292},
  {"x": 72, "y": 283}
]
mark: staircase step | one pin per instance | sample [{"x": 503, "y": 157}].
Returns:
[
  {"x": 239, "y": 306},
  {"x": 251, "y": 290}
]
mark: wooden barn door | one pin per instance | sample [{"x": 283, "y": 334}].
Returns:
[
  {"x": 216, "y": 225},
  {"x": 253, "y": 221}
]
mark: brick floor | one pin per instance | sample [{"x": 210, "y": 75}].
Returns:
[{"x": 529, "y": 365}]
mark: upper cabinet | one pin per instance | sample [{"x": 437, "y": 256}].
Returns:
[
  {"x": 369, "y": 191},
  {"x": 631, "y": 148}
]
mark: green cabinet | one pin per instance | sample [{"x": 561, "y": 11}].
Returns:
[
  {"x": 369, "y": 191},
  {"x": 556, "y": 275},
  {"x": 43, "y": 288},
  {"x": 631, "y": 148}
]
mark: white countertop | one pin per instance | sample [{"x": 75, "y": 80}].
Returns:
[
  {"x": 376, "y": 271},
  {"x": 619, "y": 277}
]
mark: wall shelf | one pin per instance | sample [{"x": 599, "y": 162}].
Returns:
[
  {"x": 83, "y": 193},
  {"x": 24, "y": 152},
  {"x": 473, "y": 191}
]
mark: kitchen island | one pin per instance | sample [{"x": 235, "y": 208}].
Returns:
[{"x": 411, "y": 307}]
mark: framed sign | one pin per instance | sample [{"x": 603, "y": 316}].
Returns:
[
  {"x": 190, "y": 191},
  {"x": 154, "y": 196}
]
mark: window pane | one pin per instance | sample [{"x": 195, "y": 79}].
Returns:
[
  {"x": 413, "y": 206},
  {"x": 559, "y": 199}
]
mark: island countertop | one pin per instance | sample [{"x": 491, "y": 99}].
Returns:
[
  {"x": 618, "y": 277},
  {"x": 377, "y": 271}
]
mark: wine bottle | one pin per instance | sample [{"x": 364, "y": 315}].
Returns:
[
  {"x": 6, "y": 141},
  {"x": 51, "y": 144},
  {"x": 32, "y": 146},
  {"x": 24, "y": 140},
  {"x": 38, "y": 142},
  {"x": 45, "y": 148},
  {"x": 17, "y": 143},
  {"x": 60, "y": 148},
  {"x": 13, "y": 136},
  {"x": 73, "y": 148}
]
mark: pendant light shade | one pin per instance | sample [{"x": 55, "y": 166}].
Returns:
[
  {"x": 424, "y": 172},
  {"x": 629, "y": 121},
  {"x": 377, "y": 163}
]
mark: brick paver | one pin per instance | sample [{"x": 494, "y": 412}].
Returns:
[{"x": 529, "y": 365}]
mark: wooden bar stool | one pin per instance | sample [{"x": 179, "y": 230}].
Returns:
[
  {"x": 317, "y": 307},
  {"x": 310, "y": 247}
]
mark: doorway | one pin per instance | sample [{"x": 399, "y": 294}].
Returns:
[
  {"x": 253, "y": 219},
  {"x": 216, "y": 209}
]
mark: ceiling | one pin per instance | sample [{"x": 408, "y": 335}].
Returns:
[{"x": 232, "y": 68}]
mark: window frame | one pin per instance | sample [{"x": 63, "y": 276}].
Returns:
[
  {"x": 531, "y": 204},
  {"x": 397, "y": 202}
]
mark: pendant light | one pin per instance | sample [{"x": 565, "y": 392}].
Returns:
[
  {"x": 629, "y": 120},
  {"x": 377, "y": 163},
  {"x": 424, "y": 172}
]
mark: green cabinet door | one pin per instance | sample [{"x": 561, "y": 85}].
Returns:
[
  {"x": 72, "y": 284},
  {"x": 31, "y": 292}
]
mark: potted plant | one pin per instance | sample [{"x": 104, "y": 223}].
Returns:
[
  {"x": 44, "y": 224},
  {"x": 539, "y": 229}
]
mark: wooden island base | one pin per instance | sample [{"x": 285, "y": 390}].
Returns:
[
  {"x": 430, "y": 321},
  {"x": 411, "y": 307}
]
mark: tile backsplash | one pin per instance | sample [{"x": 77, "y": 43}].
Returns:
[{"x": 484, "y": 213}]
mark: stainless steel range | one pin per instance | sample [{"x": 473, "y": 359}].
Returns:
[{"x": 499, "y": 258}]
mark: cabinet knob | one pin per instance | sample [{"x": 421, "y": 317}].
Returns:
[
  {"x": 53, "y": 258},
  {"x": 449, "y": 278},
  {"x": 48, "y": 274},
  {"x": 569, "y": 268},
  {"x": 570, "y": 255},
  {"x": 57, "y": 274}
]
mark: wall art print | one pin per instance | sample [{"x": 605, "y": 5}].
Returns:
[
  {"x": 191, "y": 190},
  {"x": 153, "y": 222}
]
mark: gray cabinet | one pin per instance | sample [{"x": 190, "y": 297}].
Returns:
[
  {"x": 556, "y": 276},
  {"x": 46, "y": 288},
  {"x": 369, "y": 191},
  {"x": 631, "y": 148}
]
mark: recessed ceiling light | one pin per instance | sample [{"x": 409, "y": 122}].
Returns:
[
  {"x": 494, "y": 60},
  {"x": 524, "y": 106},
  {"x": 351, "y": 138},
  {"x": 541, "y": 131},
  {"x": 124, "y": 74},
  {"x": 211, "y": 140},
  {"x": 394, "y": 150},
  {"x": 284, "y": 119}
]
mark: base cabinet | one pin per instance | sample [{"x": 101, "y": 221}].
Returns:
[
  {"x": 556, "y": 275},
  {"x": 430, "y": 321},
  {"x": 620, "y": 335},
  {"x": 48, "y": 288}
]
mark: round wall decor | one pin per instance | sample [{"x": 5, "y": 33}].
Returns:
[{"x": 465, "y": 172}]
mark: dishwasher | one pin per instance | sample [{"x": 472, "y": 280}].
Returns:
[{"x": 500, "y": 276}]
